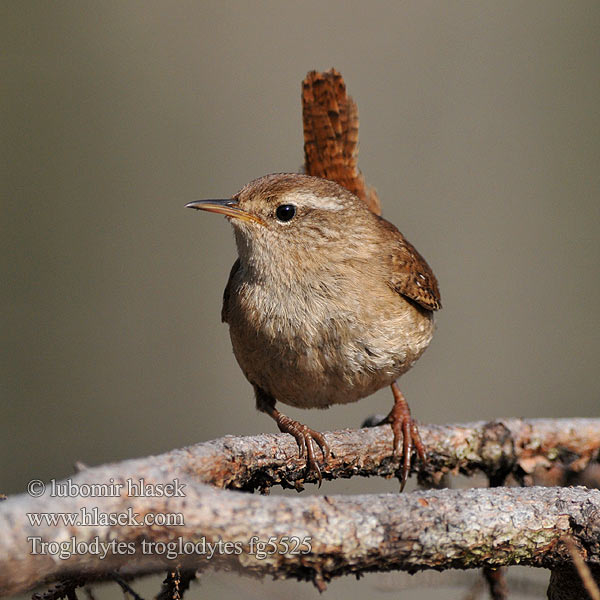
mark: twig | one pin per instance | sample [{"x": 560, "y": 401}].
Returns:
[
  {"x": 582, "y": 569},
  {"x": 176, "y": 584},
  {"x": 61, "y": 589},
  {"x": 496, "y": 580},
  {"x": 127, "y": 589}
]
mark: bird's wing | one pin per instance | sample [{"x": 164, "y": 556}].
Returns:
[
  {"x": 411, "y": 276},
  {"x": 227, "y": 292}
]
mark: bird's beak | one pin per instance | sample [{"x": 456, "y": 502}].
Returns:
[{"x": 229, "y": 208}]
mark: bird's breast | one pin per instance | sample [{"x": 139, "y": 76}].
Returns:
[{"x": 325, "y": 342}]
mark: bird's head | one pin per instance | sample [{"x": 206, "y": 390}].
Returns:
[{"x": 292, "y": 217}]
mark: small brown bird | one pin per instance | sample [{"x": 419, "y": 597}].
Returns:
[{"x": 326, "y": 304}]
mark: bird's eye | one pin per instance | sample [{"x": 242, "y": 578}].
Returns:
[{"x": 285, "y": 212}]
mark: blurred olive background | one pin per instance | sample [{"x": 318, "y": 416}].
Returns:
[{"x": 480, "y": 129}]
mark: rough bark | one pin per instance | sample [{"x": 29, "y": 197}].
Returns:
[
  {"x": 342, "y": 535},
  {"x": 438, "y": 529},
  {"x": 499, "y": 448}
]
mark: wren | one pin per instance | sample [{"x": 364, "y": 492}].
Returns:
[{"x": 326, "y": 304}]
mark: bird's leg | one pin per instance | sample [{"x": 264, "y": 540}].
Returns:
[
  {"x": 404, "y": 427},
  {"x": 304, "y": 435}
]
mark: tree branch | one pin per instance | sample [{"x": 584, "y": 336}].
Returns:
[
  {"x": 438, "y": 529},
  {"x": 434, "y": 529},
  {"x": 514, "y": 446}
]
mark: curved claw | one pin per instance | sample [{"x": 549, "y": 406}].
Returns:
[
  {"x": 305, "y": 437},
  {"x": 302, "y": 446},
  {"x": 311, "y": 461},
  {"x": 320, "y": 439},
  {"x": 403, "y": 426},
  {"x": 405, "y": 429}
]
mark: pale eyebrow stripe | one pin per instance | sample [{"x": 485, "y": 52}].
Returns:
[{"x": 325, "y": 202}]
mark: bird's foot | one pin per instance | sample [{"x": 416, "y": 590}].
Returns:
[
  {"x": 305, "y": 438},
  {"x": 405, "y": 429}
]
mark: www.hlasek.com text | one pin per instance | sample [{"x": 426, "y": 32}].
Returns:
[{"x": 94, "y": 517}]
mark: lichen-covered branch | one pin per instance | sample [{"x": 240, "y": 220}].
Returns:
[
  {"x": 499, "y": 448},
  {"x": 315, "y": 538},
  {"x": 434, "y": 529}
]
